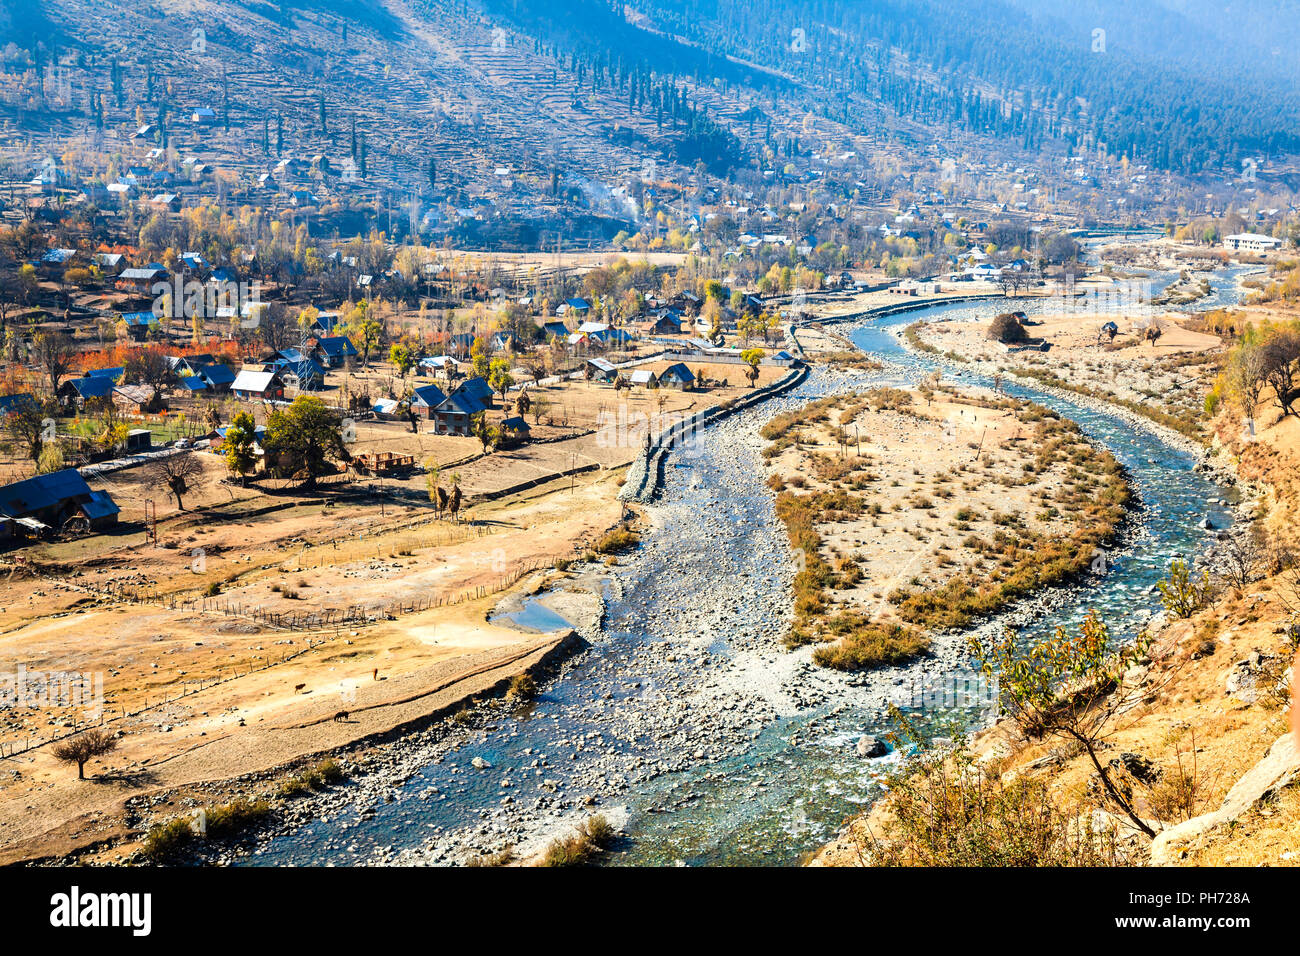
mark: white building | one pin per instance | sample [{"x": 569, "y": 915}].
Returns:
[{"x": 1251, "y": 242}]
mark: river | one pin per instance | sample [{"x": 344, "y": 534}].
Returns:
[{"x": 685, "y": 720}]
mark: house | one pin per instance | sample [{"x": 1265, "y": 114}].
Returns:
[
  {"x": 303, "y": 374},
  {"x": 298, "y": 370},
  {"x": 137, "y": 440},
  {"x": 555, "y": 330},
  {"x": 57, "y": 261},
  {"x": 53, "y": 499},
  {"x": 515, "y": 430},
  {"x": 141, "y": 281},
  {"x": 333, "y": 351},
  {"x": 84, "y": 388},
  {"x": 203, "y": 116},
  {"x": 256, "y": 385},
  {"x": 452, "y": 416},
  {"x": 600, "y": 370},
  {"x": 138, "y": 324},
  {"x": 324, "y": 323},
  {"x": 579, "y": 307},
  {"x": 192, "y": 384},
  {"x": 677, "y": 376},
  {"x": 110, "y": 263},
  {"x": 217, "y": 377},
  {"x": 666, "y": 322},
  {"x": 426, "y": 398},
  {"x": 169, "y": 201},
  {"x": 478, "y": 389},
  {"x": 434, "y": 364},
  {"x": 645, "y": 378},
  {"x": 138, "y": 399},
  {"x": 502, "y": 342},
  {"x": 1251, "y": 242}
]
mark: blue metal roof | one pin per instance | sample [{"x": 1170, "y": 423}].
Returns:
[
  {"x": 217, "y": 374},
  {"x": 430, "y": 396},
  {"x": 100, "y": 505},
  {"x": 33, "y": 495},
  {"x": 337, "y": 345},
  {"x": 15, "y": 402},
  {"x": 92, "y": 386}
]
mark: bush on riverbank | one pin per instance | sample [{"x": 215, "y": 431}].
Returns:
[
  {"x": 236, "y": 816},
  {"x": 592, "y": 838},
  {"x": 313, "y": 778},
  {"x": 945, "y": 811},
  {"x": 620, "y": 539},
  {"x": 167, "y": 841},
  {"x": 866, "y": 644}
]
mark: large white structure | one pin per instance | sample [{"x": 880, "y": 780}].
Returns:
[{"x": 1251, "y": 242}]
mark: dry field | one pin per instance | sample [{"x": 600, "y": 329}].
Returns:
[{"x": 228, "y": 645}]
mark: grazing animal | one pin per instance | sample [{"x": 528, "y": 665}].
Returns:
[
  {"x": 298, "y": 688},
  {"x": 341, "y": 715}
]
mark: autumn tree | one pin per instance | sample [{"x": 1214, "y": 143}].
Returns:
[
  {"x": 1073, "y": 687},
  {"x": 499, "y": 378},
  {"x": 240, "y": 439},
  {"x": 303, "y": 438}
]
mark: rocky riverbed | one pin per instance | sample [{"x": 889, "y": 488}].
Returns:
[{"x": 685, "y": 721}]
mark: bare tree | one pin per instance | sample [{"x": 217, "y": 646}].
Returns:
[
  {"x": 1281, "y": 360},
  {"x": 179, "y": 474},
  {"x": 1242, "y": 557},
  {"x": 85, "y": 746},
  {"x": 54, "y": 352}
]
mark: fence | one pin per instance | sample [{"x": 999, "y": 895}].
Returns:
[{"x": 643, "y": 476}]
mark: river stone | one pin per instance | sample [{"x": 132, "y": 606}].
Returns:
[
  {"x": 869, "y": 746},
  {"x": 480, "y": 764}
]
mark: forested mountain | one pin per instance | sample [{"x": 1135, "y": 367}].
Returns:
[{"x": 1184, "y": 86}]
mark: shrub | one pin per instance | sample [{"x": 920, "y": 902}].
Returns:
[
  {"x": 522, "y": 687},
  {"x": 1006, "y": 328},
  {"x": 166, "y": 841},
  {"x": 1181, "y": 595},
  {"x": 236, "y": 816},
  {"x": 866, "y": 645},
  {"x": 314, "y": 778},
  {"x": 500, "y": 858},
  {"x": 592, "y": 837},
  {"x": 945, "y": 812}
]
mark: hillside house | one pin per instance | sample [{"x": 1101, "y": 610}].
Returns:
[
  {"x": 253, "y": 384},
  {"x": 425, "y": 399},
  {"x": 598, "y": 370},
  {"x": 452, "y": 416},
  {"x": 677, "y": 376},
  {"x": 141, "y": 281},
  {"x": 333, "y": 351},
  {"x": 51, "y": 500}
]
